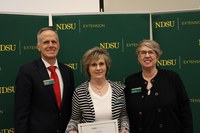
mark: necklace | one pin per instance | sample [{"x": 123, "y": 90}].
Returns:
[
  {"x": 149, "y": 76},
  {"x": 99, "y": 90},
  {"x": 149, "y": 84},
  {"x": 148, "y": 92},
  {"x": 99, "y": 93}
]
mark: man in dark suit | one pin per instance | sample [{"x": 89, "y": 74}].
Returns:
[{"x": 36, "y": 109}]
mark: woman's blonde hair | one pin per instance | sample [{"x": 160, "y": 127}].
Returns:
[{"x": 95, "y": 54}]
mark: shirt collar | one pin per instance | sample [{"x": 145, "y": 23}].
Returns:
[{"x": 47, "y": 64}]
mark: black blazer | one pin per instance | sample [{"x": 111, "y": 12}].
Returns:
[
  {"x": 167, "y": 108},
  {"x": 36, "y": 110}
]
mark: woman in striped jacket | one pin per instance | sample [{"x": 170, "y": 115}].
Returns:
[{"x": 98, "y": 99}]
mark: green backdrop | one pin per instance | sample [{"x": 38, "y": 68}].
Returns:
[
  {"x": 118, "y": 33},
  {"x": 177, "y": 33},
  {"x": 17, "y": 46},
  {"x": 179, "y": 37}
]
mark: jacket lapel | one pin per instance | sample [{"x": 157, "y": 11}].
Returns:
[{"x": 45, "y": 76}]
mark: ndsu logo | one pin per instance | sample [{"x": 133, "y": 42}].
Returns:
[
  {"x": 164, "y": 24},
  {"x": 73, "y": 66},
  {"x": 7, "y": 47},
  {"x": 199, "y": 42},
  {"x": 170, "y": 62},
  {"x": 7, "y": 130},
  {"x": 110, "y": 45},
  {"x": 66, "y": 26},
  {"x": 7, "y": 89}
]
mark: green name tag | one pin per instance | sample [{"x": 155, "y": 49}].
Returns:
[
  {"x": 136, "y": 90},
  {"x": 119, "y": 100},
  {"x": 48, "y": 82}
]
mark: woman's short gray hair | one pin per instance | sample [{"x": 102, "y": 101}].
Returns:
[{"x": 150, "y": 44}]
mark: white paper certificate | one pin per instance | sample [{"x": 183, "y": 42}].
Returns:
[{"x": 110, "y": 126}]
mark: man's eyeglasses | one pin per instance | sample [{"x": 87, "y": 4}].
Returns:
[{"x": 150, "y": 53}]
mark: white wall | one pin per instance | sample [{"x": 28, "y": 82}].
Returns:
[
  {"x": 88, "y": 6},
  {"x": 149, "y": 5},
  {"x": 49, "y": 6}
]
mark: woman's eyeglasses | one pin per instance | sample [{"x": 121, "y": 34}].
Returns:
[{"x": 150, "y": 53}]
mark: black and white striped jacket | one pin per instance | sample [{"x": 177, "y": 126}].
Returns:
[{"x": 83, "y": 109}]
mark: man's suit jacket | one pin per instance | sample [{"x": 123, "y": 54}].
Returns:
[{"x": 36, "y": 110}]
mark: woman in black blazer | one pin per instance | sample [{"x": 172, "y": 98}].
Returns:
[{"x": 157, "y": 101}]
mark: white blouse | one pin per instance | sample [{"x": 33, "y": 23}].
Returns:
[{"x": 102, "y": 104}]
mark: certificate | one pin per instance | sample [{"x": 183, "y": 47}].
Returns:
[{"x": 109, "y": 126}]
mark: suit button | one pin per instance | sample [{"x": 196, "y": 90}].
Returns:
[
  {"x": 159, "y": 110},
  {"x": 140, "y": 129},
  {"x": 140, "y": 113},
  {"x": 60, "y": 114},
  {"x": 156, "y": 94},
  {"x": 161, "y": 125}
]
